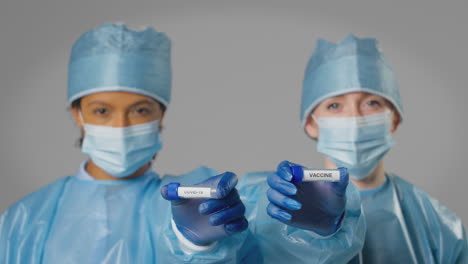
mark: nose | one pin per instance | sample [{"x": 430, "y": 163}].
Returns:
[
  {"x": 354, "y": 110},
  {"x": 120, "y": 120}
]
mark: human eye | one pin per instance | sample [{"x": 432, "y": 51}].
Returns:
[
  {"x": 101, "y": 111},
  {"x": 333, "y": 106},
  {"x": 374, "y": 103},
  {"x": 143, "y": 111}
]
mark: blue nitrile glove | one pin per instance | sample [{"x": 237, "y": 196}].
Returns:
[
  {"x": 318, "y": 206},
  {"x": 203, "y": 221}
]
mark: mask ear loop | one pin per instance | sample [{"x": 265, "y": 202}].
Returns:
[
  {"x": 314, "y": 118},
  {"x": 391, "y": 115},
  {"x": 81, "y": 117},
  {"x": 316, "y": 121},
  {"x": 80, "y": 141}
]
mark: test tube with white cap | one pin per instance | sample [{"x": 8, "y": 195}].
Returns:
[
  {"x": 175, "y": 191},
  {"x": 301, "y": 174}
]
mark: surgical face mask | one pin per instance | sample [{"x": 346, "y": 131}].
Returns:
[
  {"x": 121, "y": 151},
  {"x": 357, "y": 143}
]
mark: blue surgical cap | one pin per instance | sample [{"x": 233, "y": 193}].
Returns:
[
  {"x": 352, "y": 65},
  {"x": 115, "y": 58}
]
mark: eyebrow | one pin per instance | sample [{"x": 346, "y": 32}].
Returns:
[
  {"x": 335, "y": 97},
  {"x": 133, "y": 105},
  {"x": 97, "y": 102},
  {"x": 150, "y": 102},
  {"x": 373, "y": 96}
]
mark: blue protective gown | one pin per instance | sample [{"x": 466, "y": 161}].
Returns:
[
  {"x": 406, "y": 225},
  {"x": 73, "y": 220},
  {"x": 281, "y": 243}
]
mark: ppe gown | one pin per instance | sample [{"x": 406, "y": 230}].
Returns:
[
  {"x": 281, "y": 243},
  {"x": 406, "y": 225},
  {"x": 73, "y": 220}
]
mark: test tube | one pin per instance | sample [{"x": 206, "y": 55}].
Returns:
[
  {"x": 175, "y": 191},
  {"x": 301, "y": 174}
]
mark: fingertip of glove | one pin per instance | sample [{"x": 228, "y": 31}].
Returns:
[
  {"x": 226, "y": 184},
  {"x": 236, "y": 226}
]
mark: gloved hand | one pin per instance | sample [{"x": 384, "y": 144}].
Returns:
[
  {"x": 318, "y": 206},
  {"x": 203, "y": 221}
]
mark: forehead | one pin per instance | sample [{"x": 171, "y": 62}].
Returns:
[{"x": 116, "y": 98}]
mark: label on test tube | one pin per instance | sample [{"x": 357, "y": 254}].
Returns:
[
  {"x": 194, "y": 192},
  {"x": 301, "y": 174},
  {"x": 321, "y": 175},
  {"x": 176, "y": 191}
]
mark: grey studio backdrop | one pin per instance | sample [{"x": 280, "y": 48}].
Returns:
[{"x": 238, "y": 68}]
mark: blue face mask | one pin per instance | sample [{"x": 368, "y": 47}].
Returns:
[
  {"x": 121, "y": 151},
  {"x": 357, "y": 143}
]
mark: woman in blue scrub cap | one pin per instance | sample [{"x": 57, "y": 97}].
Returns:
[
  {"x": 351, "y": 105},
  {"x": 112, "y": 210}
]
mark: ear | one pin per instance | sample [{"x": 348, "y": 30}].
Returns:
[
  {"x": 311, "y": 127},
  {"x": 76, "y": 116},
  {"x": 395, "y": 121}
]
